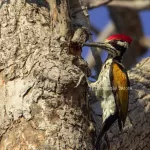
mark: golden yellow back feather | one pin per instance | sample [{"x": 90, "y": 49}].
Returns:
[{"x": 120, "y": 84}]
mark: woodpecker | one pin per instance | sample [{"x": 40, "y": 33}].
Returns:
[{"x": 112, "y": 86}]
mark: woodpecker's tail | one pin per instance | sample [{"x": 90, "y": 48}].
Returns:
[
  {"x": 120, "y": 124},
  {"x": 105, "y": 127}
]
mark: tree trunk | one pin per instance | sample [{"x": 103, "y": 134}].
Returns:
[{"x": 43, "y": 102}]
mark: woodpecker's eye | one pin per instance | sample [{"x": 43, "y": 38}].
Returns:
[{"x": 113, "y": 43}]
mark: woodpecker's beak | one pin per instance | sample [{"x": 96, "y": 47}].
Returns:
[{"x": 104, "y": 46}]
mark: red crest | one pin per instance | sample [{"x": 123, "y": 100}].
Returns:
[{"x": 120, "y": 37}]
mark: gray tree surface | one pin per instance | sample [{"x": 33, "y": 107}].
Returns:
[{"x": 43, "y": 87}]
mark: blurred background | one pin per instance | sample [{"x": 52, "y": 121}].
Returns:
[{"x": 130, "y": 17}]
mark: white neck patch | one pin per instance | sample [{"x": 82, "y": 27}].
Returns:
[{"x": 123, "y": 44}]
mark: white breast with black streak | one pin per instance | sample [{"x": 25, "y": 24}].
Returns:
[{"x": 103, "y": 91}]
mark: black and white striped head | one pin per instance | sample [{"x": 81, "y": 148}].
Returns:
[{"x": 117, "y": 44}]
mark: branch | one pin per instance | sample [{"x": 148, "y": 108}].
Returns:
[
  {"x": 109, "y": 29},
  {"x": 97, "y": 59},
  {"x": 96, "y": 3},
  {"x": 104, "y": 2},
  {"x": 137, "y": 4},
  {"x": 94, "y": 29},
  {"x": 145, "y": 41}
]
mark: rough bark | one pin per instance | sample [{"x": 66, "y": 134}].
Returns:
[{"x": 40, "y": 105}]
